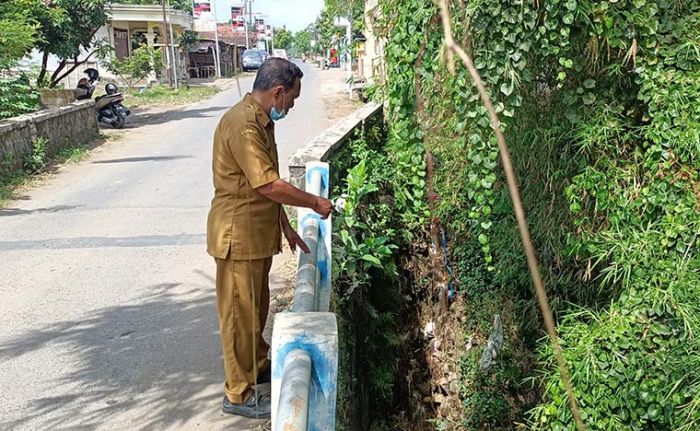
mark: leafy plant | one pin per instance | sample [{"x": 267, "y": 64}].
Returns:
[
  {"x": 16, "y": 38},
  {"x": 365, "y": 277},
  {"x": 17, "y": 97},
  {"x": 138, "y": 66},
  {"x": 36, "y": 160},
  {"x": 188, "y": 39},
  {"x": 18, "y": 32}
]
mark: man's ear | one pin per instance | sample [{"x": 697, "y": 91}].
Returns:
[{"x": 276, "y": 91}]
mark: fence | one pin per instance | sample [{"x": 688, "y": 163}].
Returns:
[{"x": 305, "y": 340}]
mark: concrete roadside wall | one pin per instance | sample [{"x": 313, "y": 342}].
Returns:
[
  {"x": 328, "y": 142},
  {"x": 62, "y": 126}
]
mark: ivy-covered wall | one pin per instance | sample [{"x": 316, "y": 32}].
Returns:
[{"x": 598, "y": 101}]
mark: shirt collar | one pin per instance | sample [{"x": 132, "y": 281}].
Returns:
[{"x": 260, "y": 113}]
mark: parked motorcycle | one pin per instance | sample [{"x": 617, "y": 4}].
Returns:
[{"x": 108, "y": 106}]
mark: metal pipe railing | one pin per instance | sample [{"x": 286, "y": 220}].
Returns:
[
  {"x": 305, "y": 292},
  {"x": 293, "y": 409}
]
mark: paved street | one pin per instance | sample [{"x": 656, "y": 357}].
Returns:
[{"x": 108, "y": 318}]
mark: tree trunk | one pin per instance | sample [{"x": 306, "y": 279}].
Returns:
[
  {"x": 52, "y": 81},
  {"x": 76, "y": 63},
  {"x": 42, "y": 73}
]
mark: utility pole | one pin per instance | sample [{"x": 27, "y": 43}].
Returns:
[
  {"x": 245, "y": 24},
  {"x": 272, "y": 37},
  {"x": 347, "y": 23},
  {"x": 167, "y": 45},
  {"x": 250, "y": 14},
  {"x": 217, "y": 53},
  {"x": 172, "y": 45}
]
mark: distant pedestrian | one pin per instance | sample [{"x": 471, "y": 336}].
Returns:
[{"x": 244, "y": 228}]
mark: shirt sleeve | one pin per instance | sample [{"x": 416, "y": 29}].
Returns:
[{"x": 253, "y": 157}]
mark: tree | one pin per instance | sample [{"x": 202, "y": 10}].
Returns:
[
  {"x": 185, "y": 5},
  {"x": 326, "y": 31},
  {"x": 16, "y": 38},
  {"x": 135, "y": 68},
  {"x": 353, "y": 9},
  {"x": 302, "y": 41},
  {"x": 17, "y": 32},
  {"x": 283, "y": 38},
  {"x": 188, "y": 39},
  {"x": 67, "y": 29}
]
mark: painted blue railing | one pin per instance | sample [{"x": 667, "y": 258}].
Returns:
[{"x": 305, "y": 339}]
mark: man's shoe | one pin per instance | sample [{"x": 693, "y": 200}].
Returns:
[
  {"x": 248, "y": 407},
  {"x": 265, "y": 376}
]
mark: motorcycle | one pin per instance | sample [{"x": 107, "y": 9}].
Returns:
[{"x": 108, "y": 106}]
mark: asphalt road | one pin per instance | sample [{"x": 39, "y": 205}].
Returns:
[{"x": 107, "y": 317}]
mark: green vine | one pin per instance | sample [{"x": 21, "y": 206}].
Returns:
[{"x": 598, "y": 100}]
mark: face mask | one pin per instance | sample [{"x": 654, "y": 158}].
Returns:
[{"x": 276, "y": 115}]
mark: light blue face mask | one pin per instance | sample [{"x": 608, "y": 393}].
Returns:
[{"x": 276, "y": 115}]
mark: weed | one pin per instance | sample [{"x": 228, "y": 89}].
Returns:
[{"x": 36, "y": 160}]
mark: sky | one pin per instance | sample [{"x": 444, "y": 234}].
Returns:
[{"x": 294, "y": 14}]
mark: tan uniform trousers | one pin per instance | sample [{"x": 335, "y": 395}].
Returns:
[{"x": 242, "y": 301}]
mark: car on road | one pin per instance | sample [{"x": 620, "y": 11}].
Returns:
[{"x": 253, "y": 59}]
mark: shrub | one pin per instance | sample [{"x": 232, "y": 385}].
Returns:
[{"x": 17, "y": 97}]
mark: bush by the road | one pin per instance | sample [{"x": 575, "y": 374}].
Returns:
[{"x": 17, "y": 97}]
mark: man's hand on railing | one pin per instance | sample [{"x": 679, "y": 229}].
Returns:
[
  {"x": 295, "y": 240},
  {"x": 322, "y": 207},
  {"x": 284, "y": 193}
]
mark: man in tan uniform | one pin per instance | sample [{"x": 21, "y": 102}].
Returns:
[{"x": 244, "y": 228}]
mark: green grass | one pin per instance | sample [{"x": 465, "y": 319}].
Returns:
[
  {"x": 164, "y": 96},
  {"x": 72, "y": 155},
  {"x": 10, "y": 178},
  {"x": 8, "y": 182}
]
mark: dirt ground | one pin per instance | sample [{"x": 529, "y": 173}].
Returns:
[{"x": 334, "y": 91}]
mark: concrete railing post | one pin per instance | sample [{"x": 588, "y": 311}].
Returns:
[{"x": 296, "y": 337}]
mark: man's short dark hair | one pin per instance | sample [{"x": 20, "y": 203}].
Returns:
[{"x": 277, "y": 71}]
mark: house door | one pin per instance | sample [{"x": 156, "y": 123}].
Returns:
[{"x": 121, "y": 43}]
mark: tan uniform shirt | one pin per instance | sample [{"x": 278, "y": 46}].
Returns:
[{"x": 241, "y": 220}]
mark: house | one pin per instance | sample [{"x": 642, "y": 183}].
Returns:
[
  {"x": 131, "y": 25},
  {"x": 371, "y": 51}
]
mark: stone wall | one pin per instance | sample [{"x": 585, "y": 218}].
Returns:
[
  {"x": 52, "y": 98},
  {"x": 323, "y": 146},
  {"x": 62, "y": 126}
]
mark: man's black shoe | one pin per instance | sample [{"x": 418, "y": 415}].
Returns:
[
  {"x": 265, "y": 376},
  {"x": 248, "y": 407}
]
